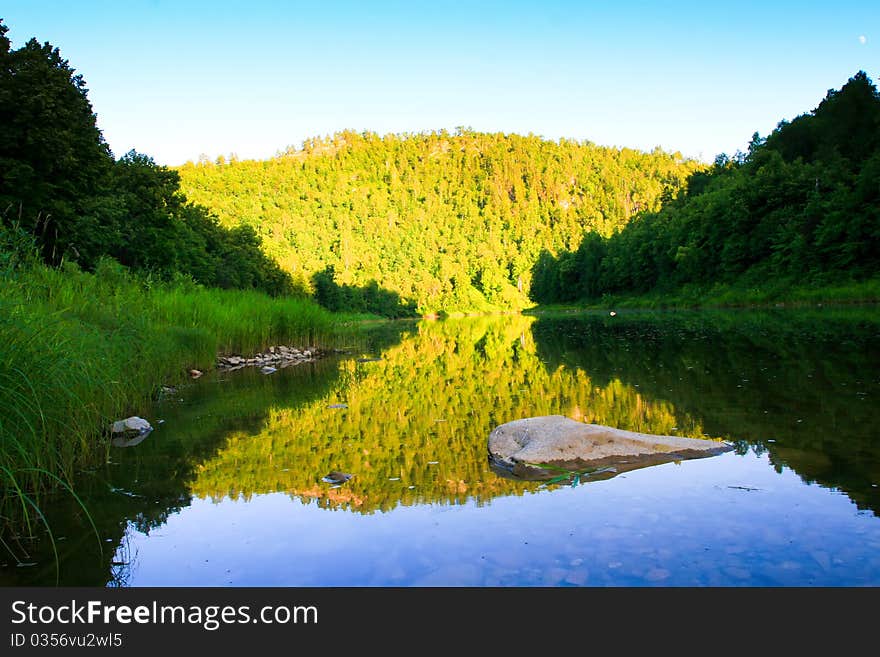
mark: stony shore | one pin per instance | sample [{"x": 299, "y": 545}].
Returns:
[{"x": 273, "y": 357}]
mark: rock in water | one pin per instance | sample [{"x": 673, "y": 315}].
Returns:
[
  {"x": 336, "y": 478},
  {"x": 268, "y": 369},
  {"x": 131, "y": 424},
  {"x": 130, "y": 431},
  {"x": 519, "y": 447}
]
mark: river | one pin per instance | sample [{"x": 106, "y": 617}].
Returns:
[{"x": 228, "y": 489}]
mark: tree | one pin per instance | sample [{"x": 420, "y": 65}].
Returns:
[
  {"x": 152, "y": 200},
  {"x": 53, "y": 158},
  {"x": 801, "y": 206}
]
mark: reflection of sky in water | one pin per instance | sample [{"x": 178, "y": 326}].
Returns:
[{"x": 728, "y": 520}]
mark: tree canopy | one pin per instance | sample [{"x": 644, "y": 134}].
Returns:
[
  {"x": 60, "y": 183},
  {"x": 440, "y": 221},
  {"x": 53, "y": 158},
  {"x": 801, "y": 205},
  {"x": 447, "y": 221}
]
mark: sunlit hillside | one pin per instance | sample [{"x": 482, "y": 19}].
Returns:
[{"x": 449, "y": 221}]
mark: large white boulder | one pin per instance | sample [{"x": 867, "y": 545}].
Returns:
[{"x": 521, "y": 446}]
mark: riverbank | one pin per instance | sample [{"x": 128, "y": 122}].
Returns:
[
  {"x": 80, "y": 350},
  {"x": 761, "y": 295}
]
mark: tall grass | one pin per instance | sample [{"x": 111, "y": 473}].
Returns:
[{"x": 80, "y": 350}]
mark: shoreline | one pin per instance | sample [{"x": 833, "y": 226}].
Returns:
[{"x": 863, "y": 293}]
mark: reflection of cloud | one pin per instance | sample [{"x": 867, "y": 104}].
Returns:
[{"x": 863, "y": 39}]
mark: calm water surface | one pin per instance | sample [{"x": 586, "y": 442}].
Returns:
[{"x": 227, "y": 491}]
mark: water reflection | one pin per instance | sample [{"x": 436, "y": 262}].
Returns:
[
  {"x": 802, "y": 386},
  {"x": 725, "y": 521},
  {"x": 412, "y": 426},
  {"x": 408, "y": 417}
]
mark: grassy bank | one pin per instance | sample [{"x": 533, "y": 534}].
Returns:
[
  {"x": 787, "y": 293},
  {"x": 80, "y": 350}
]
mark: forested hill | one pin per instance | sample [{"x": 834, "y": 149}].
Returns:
[
  {"x": 64, "y": 193},
  {"x": 450, "y": 221},
  {"x": 802, "y": 207}
]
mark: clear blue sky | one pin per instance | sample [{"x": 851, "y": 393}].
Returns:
[{"x": 178, "y": 78}]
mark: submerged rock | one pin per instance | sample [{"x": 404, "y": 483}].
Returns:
[
  {"x": 521, "y": 447},
  {"x": 268, "y": 369},
  {"x": 336, "y": 477}
]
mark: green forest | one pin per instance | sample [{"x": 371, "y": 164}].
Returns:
[
  {"x": 801, "y": 207},
  {"x": 441, "y": 222},
  {"x": 447, "y": 221},
  {"x": 62, "y": 188}
]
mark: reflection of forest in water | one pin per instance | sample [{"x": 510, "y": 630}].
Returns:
[
  {"x": 798, "y": 385},
  {"x": 801, "y": 385},
  {"x": 416, "y": 421},
  {"x": 793, "y": 383}
]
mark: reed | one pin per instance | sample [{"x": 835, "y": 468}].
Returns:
[{"x": 79, "y": 350}]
